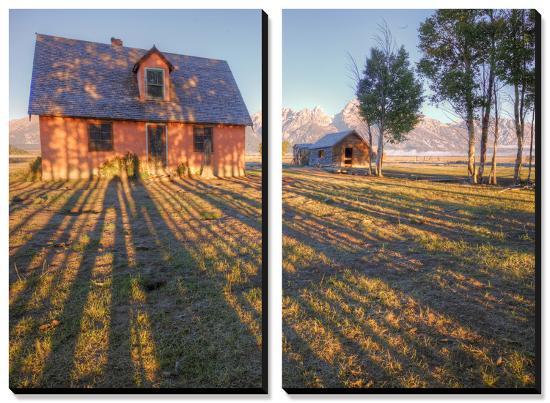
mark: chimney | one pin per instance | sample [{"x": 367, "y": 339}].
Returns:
[{"x": 115, "y": 42}]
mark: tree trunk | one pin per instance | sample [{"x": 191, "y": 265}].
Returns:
[
  {"x": 483, "y": 148},
  {"x": 485, "y": 124},
  {"x": 519, "y": 160},
  {"x": 370, "y": 149},
  {"x": 470, "y": 122},
  {"x": 493, "y": 174},
  {"x": 380, "y": 153},
  {"x": 531, "y": 147},
  {"x": 519, "y": 135},
  {"x": 471, "y": 147}
]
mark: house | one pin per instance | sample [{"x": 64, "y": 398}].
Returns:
[
  {"x": 96, "y": 101},
  {"x": 342, "y": 149},
  {"x": 300, "y": 154}
]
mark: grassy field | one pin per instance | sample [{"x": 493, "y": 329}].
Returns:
[
  {"x": 116, "y": 283},
  {"x": 393, "y": 282},
  {"x": 455, "y": 172}
]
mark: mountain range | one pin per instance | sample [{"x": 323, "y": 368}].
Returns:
[
  {"x": 25, "y": 134},
  {"x": 253, "y": 135},
  {"x": 430, "y": 136}
]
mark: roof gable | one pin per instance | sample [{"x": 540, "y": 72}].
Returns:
[
  {"x": 148, "y": 54},
  {"x": 87, "y": 79}
]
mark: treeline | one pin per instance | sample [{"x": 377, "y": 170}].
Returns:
[{"x": 469, "y": 57}]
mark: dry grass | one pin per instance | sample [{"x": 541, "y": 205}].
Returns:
[
  {"x": 121, "y": 284},
  {"x": 452, "y": 170},
  {"x": 390, "y": 282}
]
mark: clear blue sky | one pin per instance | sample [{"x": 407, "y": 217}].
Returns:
[
  {"x": 232, "y": 35},
  {"x": 315, "y": 46}
]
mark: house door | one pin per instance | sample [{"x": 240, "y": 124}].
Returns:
[
  {"x": 348, "y": 156},
  {"x": 156, "y": 145}
]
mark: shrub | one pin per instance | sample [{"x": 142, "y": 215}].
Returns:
[
  {"x": 35, "y": 169},
  {"x": 181, "y": 170},
  {"x": 111, "y": 168},
  {"x": 121, "y": 166},
  {"x": 131, "y": 165}
]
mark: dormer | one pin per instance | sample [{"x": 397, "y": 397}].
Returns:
[{"x": 153, "y": 75}]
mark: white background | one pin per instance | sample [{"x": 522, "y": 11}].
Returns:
[{"x": 273, "y": 9}]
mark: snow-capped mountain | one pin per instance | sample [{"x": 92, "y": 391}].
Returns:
[
  {"x": 306, "y": 126},
  {"x": 253, "y": 135},
  {"x": 429, "y": 136},
  {"x": 24, "y": 132}
]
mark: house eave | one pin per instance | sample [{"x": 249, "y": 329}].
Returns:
[{"x": 140, "y": 120}]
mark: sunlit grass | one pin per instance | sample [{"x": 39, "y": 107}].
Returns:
[
  {"x": 137, "y": 284},
  {"x": 403, "y": 283}
]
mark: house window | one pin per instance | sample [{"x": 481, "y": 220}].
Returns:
[
  {"x": 155, "y": 83},
  {"x": 100, "y": 136},
  {"x": 321, "y": 154},
  {"x": 202, "y": 135}
]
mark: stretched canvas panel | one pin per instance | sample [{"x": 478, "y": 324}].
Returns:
[
  {"x": 411, "y": 199},
  {"x": 137, "y": 260}
]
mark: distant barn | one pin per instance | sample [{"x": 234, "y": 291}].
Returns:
[{"x": 342, "y": 149}]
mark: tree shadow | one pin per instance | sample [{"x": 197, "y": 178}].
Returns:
[
  {"x": 49, "y": 299},
  {"x": 158, "y": 294},
  {"x": 449, "y": 306}
]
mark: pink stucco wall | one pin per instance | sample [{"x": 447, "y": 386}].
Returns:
[{"x": 65, "y": 154}]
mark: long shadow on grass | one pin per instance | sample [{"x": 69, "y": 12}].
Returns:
[
  {"x": 216, "y": 324},
  {"x": 195, "y": 330},
  {"x": 39, "y": 204},
  {"x": 59, "y": 367},
  {"x": 55, "y": 320},
  {"x": 41, "y": 246},
  {"x": 238, "y": 215},
  {"x": 142, "y": 290},
  {"x": 345, "y": 239},
  {"x": 447, "y": 293},
  {"x": 25, "y": 198},
  {"x": 427, "y": 186},
  {"x": 435, "y": 215}
]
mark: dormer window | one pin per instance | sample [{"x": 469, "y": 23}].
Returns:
[
  {"x": 154, "y": 83},
  {"x": 153, "y": 75}
]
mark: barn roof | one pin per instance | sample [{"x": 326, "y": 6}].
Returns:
[
  {"x": 88, "y": 79},
  {"x": 331, "y": 139},
  {"x": 302, "y": 145}
]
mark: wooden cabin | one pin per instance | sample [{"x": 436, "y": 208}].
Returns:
[{"x": 344, "y": 149}]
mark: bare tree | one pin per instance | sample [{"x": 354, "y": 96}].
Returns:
[{"x": 354, "y": 74}]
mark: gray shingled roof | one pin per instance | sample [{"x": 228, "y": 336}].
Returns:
[
  {"x": 87, "y": 79},
  {"x": 331, "y": 139}
]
